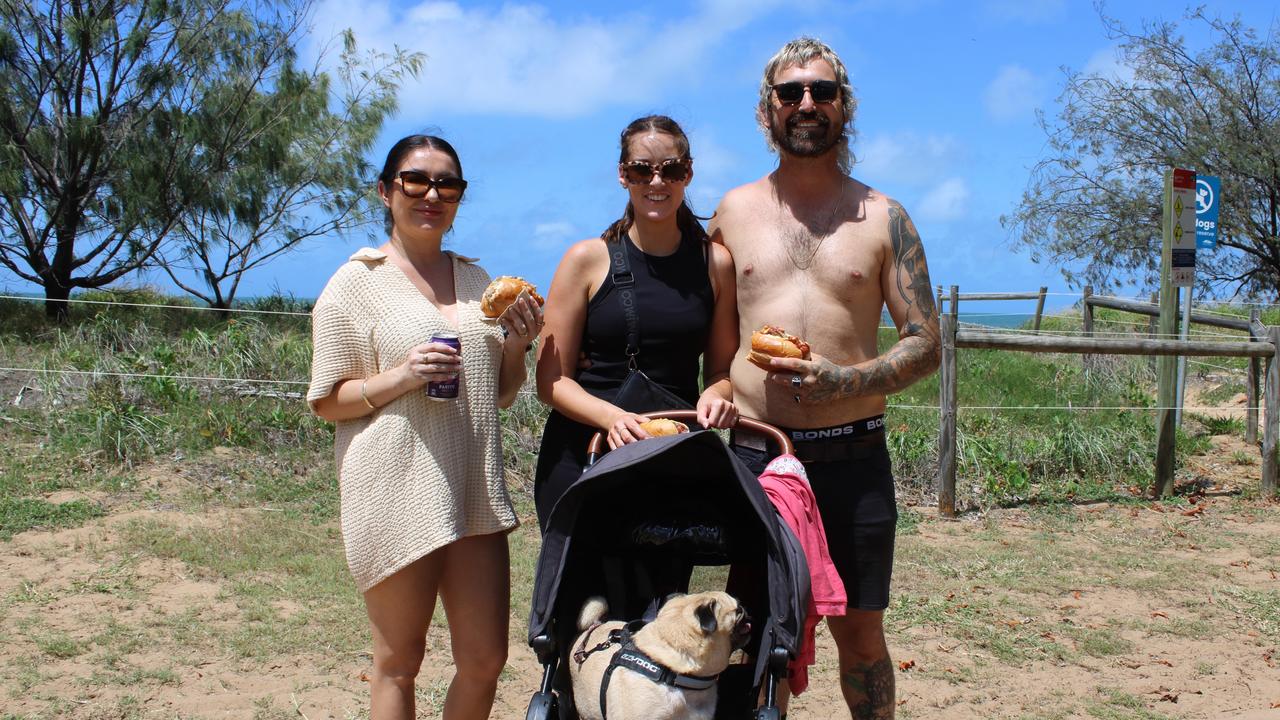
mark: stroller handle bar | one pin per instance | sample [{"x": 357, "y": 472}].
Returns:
[{"x": 745, "y": 423}]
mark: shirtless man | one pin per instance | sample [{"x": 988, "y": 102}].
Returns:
[{"x": 819, "y": 254}]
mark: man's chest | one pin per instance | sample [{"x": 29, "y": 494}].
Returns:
[{"x": 781, "y": 258}]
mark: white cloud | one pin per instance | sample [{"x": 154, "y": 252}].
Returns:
[
  {"x": 519, "y": 59},
  {"x": 1108, "y": 63},
  {"x": 1013, "y": 94},
  {"x": 552, "y": 235},
  {"x": 906, "y": 158},
  {"x": 947, "y": 201}
]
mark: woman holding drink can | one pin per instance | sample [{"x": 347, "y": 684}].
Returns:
[{"x": 413, "y": 375}]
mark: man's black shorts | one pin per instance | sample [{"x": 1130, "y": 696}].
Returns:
[{"x": 855, "y": 495}]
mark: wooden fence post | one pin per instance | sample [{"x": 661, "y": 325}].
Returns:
[
  {"x": 1167, "y": 396},
  {"x": 939, "y": 299},
  {"x": 1251, "y": 389},
  {"x": 1086, "y": 318},
  {"x": 947, "y": 417},
  {"x": 1086, "y": 311},
  {"x": 1151, "y": 330},
  {"x": 1040, "y": 307},
  {"x": 1271, "y": 422}
]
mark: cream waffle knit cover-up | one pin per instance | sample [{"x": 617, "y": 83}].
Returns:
[{"x": 416, "y": 474}]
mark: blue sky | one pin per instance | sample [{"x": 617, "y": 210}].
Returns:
[{"x": 534, "y": 94}]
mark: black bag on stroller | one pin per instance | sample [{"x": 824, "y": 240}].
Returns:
[{"x": 674, "y": 501}]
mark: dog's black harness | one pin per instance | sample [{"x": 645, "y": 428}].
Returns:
[{"x": 630, "y": 657}]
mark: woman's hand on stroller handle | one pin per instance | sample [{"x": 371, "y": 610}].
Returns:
[
  {"x": 625, "y": 428},
  {"x": 779, "y": 438},
  {"x": 716, "y": 412}
]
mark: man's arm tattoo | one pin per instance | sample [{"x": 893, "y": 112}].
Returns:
[
  {"x": 919, "y": 347},
  {"x": 911, "y": 273},
  {"x": 875, "y": 683}
]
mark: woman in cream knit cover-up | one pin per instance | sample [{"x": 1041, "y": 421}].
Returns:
[
  {"x": 425, "y": 511},
  {"x": 419, "y": 473}
]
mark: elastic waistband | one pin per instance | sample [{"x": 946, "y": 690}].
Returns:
[
  {"x": 819, "y": 444},
  {"x": 837, "y": 433}
]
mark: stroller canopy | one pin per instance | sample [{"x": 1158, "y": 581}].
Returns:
[{"x": 695, "y": 478}]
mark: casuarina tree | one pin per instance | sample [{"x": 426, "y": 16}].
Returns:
[
  {"x": 305, "y": 175},
  {"x": 114, "y": 116},
  {"x": 1093, "y": 205}
]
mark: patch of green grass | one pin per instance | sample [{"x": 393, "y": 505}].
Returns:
[
  {"x": 21, "y": 514},
  {"x": 128, "y": 707},
  {"x": 1099, "y": 642},
  {"x": 122, "y": 673},
  {"x": 301, "y": 483},
  {"x": 1219, "y": 394},
  {"x": 997, "y": 626},
  {"x": 30, "y": 591},
  {"x": 909, "y": 521},
  {"x": 287, "y": 578},
  {"x": 1190, "y": 628},
  {"x": 117, "y": 578},
  {"x": 192, "y": 628},
  {"x": 1219, "y": 425},
  {"x": 265, "y": 708},
  {"x": 24, "y": 674},
  {"x": 525, "y": 542},
  {"x": 1119, "y": 705},
  {"x": 995, "y": 565},
  {"x": 128, "y": 419},
  {"x": 1241, "y": 457},
  {"x": 1260, "y": 608},
  {"x": 118, "y": 639},
  {"x": 58, "y": 645},
  {"x": 430, "y": 694},
  {"x": 1131, "y": 568}
]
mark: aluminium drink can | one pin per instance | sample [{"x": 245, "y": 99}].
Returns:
[{"x": 445, "y": 389}]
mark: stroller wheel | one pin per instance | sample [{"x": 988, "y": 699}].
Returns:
[
  {"x": 769, "y": 713},
  {"x": 542, "y": 707}
]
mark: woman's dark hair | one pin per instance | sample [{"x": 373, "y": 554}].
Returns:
[
  {"x": 401, "y": 149},
  {"x": 685, "y": 219}
]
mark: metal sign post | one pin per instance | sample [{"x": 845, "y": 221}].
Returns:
[
  {"x": 1208, "y": 191},
  {"x": 1181, "y": 204},
  {"x": 1177, "y": 269}
]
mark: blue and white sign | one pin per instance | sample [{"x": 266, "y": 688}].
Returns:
[{"x": 1208, "y": 200}]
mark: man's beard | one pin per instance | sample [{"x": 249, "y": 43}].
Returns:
[{"x": 806, "y": 142}]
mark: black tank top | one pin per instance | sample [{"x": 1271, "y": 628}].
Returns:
[{"x": 674, "y": 301}]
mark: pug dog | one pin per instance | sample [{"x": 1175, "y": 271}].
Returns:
[{"x": 692, "y": 636}]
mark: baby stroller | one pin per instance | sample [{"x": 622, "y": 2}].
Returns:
[{"x": 670, "y": 502}]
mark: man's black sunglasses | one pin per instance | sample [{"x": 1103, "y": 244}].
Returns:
[
  {"x": 417, "y": 185},
  {"x": 822, "y": 91}
]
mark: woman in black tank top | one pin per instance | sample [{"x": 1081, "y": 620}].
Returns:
[{"x": 685, "y": 302}]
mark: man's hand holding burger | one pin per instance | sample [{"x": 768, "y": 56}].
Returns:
[{"x": 791, "y": 364}]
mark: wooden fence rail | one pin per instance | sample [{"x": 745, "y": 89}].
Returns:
[
  {"x": 1257, "y": 332},
  {"x": 1262, "y": 345},
  {"x": 1142, "y": 308},
  {"x": 966, "y": 338},
  {"x": 955, "y": 299}
]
